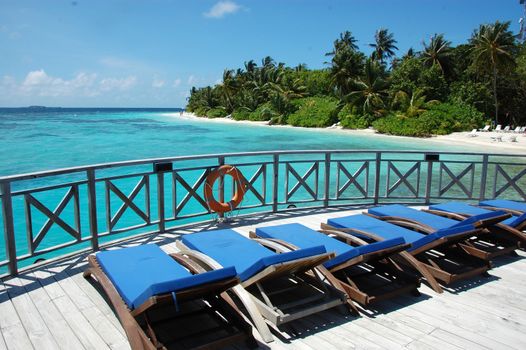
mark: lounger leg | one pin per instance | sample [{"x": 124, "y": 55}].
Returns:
[
  {"x": 423, "y": 271},
  {"x": 254, "y": 313}
]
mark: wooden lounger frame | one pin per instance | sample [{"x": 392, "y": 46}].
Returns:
[
  {"x": 508, "y": 210},
  {"x": 494, "y": 239},
  {"x": 259, "y": 301},
  {"x": 140, "y": 330},
  {"x": 394, "y": 280},
  {"x": 450, "y": 265}
]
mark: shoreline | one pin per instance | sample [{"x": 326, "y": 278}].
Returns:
[{"x": 484, "y": 139}]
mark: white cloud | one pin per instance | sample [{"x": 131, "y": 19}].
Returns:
[
  {"x": 39, "y": 83},
  {"x": 191, "y": 80},
  {"x": 177, "y": 82},
  {"x": 222, "y": 8},
  {"x": 122, "y": 84},
  {"x": 158, "y": 83}
]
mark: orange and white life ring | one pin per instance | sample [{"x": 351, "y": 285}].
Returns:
[{"x": 222, "y": 207}]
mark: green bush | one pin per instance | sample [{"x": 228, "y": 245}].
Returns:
[
  {"x": 263, "y": 113},
  {"x": 440, "y": 119},
  {"x": 200, "y": 111},
  {"x": 349, "y": 119},
  {"x": 241, "y": 114},
  {"x": 314, "y": 112},
  {"x": 216, "y": 113},
  {"x": 400, "y": 125}
]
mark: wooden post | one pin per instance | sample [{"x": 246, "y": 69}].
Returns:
[
  {"x": 275, "y": 172},
  {"x": 221, "y": 162},
  {"x": 160, "y": 201},
  {"x": 429, "y": 180},
  {"x": 484, "y": 177},
  {"x": 92, "y": 204},
  {"x": 377, "y": 176},
  {"x": 9, "y": 230},
  {"x": 327, "y": 178}
]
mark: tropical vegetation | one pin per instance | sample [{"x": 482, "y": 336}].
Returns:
[{"x": 438, "y": 90}]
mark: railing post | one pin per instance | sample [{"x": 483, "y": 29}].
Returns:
[
  {"x": 92, "y": 204},
  {"x": 221, "y": 162},
  {"x": 429, "y": 180},
  {"x": 160, "y": 201},
  {"x": 327, "y": 179},
  {"x": 484, "y": 177},
  {"x": 275, "y": 172},
  {"x": 9, "y": 230},
  {"x": 377, "y": 176}
]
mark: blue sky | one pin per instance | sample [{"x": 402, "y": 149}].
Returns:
[{"x": 109, "y": 53}]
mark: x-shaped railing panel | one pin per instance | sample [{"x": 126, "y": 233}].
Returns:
[
  {"x": 249, "y": 184},
  {"x": 510, "y": 182},
  {"x": 456, "y": 179},
  {"x": 53, "y": 217},
  {"x": 191, "y": 192},
  {"x": 302, "y": 181},
  {"x": 352, "y": 179},
  {"x": 127, "y": 201},
  {"x": 403, "y": 178}
]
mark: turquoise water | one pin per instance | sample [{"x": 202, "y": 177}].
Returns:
[
  {"x": 34, "y": 141},
  {"x": 44, "y": 140}
]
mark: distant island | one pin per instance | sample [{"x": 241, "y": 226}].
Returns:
[{"x": 437, "y": 90}]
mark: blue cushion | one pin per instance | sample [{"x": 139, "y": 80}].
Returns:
[
  {"x": 397, "y": 210},
  {"x": 304, "y": 237},
  {"x": 504, "y": 203},
  {"x": 386, "y": 230},
  {"x": 141, "y": 272},
  {"x": 230, "y": 248}
]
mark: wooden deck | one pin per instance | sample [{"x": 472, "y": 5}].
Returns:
[{"x": 54, "y": 307}]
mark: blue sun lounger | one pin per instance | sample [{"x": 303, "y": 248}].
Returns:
[
  {"x": 451, "y": 265},
  {"x": 366, "y": 271},
  {"x": 279, "y": 284},
  {"x": 139, "y": 280},
  {"x": 429, "y": 223},
  {"x": 515, "y": 207}
]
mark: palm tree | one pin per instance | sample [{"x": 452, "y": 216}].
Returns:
[
  {"x": 384, "y": 45},
  {"x": 492, "y": 46},
  {"x": 346, "y": 41},
  {"x": 346, "y": 65},
  {"x": 370, "y": 91},
  {"x": 412, "y": 104},
  {"x": 229, "y": 87},
  {"x": 437, "y": 52}
]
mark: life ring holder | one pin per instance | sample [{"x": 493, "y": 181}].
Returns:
[{"x": 223, "y": 207}]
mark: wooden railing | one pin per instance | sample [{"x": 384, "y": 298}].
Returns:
[{"x": 96, "y": 204}]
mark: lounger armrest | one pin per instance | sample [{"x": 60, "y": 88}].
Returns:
[
  {"x": 353, "y": 240},
  {"x": 454, "y": 216},
  {"x": 188, "y": 263},
  {"x": 407, "y": 223},
  {"x": 202, "y": 259},
  {"x": 511, "y": 211},
  {"x": 486, "y": 219},
  {"x": 276, "y": 245}
]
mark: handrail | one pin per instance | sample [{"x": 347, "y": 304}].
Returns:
[
  {"x": 110, "y": 165},
  {"x": 276, "y": 180}
]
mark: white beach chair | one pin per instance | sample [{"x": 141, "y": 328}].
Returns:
[
  {"x": 486, "y": 128},
  {"x": 507, "y": 128},
  {"x": 473, "y": 133},
  {"x": 498, "y": 128},
  {"x": 517, "y": 129},
  {"x": 513, "y": 138}
]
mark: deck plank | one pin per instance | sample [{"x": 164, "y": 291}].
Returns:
[
  {"x": 87, "y": 335},
  {"x": 13, "y": 331},
  {"x": 52, "y": 318}
]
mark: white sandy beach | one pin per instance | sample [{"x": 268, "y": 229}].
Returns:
[{"x": 484, "y": 140}]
